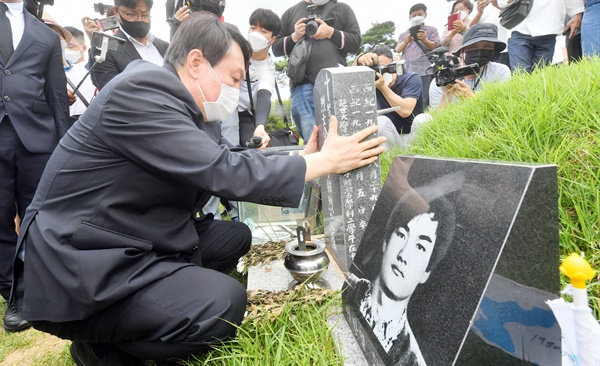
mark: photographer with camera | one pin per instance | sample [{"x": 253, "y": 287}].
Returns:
[
  {"x": 414, "y": 45},
  {"x": 395, "y": 88},
  {"x": 480, "y": 45},
  {"x": 134, "y": 26},
  {"x": 332, "y": 31},
  {"x": 180, "y": 10}
]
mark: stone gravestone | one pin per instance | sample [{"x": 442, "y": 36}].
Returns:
[
  {"x": 348, "y": 200},
  {"x": 453, "y": 243}
]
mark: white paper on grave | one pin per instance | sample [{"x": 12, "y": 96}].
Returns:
[
  {"x": 580, "y": 331},
  {"x": 516, "y": 319}
]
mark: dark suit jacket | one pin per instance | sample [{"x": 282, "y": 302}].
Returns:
[
  {"x": 33, "y": 88},
  {"x": 116, "y": 62},
  {"x": 113, "y": 209}
]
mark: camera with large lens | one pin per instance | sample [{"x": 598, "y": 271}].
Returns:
[
  {"x": 312, "y": 26},
  {"x": 396, "y": 67},
  {"x": 446, "y": 68}
]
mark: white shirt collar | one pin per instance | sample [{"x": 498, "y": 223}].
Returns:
[{"x": 15, "y": 8}]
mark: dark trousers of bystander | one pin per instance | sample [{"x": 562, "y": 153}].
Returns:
[
  {"x": 20, "y": 172},
  {"x": 526, "y": 52}
]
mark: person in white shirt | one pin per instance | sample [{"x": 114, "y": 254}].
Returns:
[
  {"x": 79, "y": 101},
  {"x": 76, "y": 48},
  {"x": 488, "y": 12},
  {"x": 533, "y": 40}
]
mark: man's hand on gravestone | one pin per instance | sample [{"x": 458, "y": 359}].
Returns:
[{"x": 340, "y": 154}]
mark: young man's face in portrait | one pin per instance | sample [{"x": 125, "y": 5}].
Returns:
[{"x": 406, "y": 256}]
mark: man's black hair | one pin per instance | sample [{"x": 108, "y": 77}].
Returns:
[
  {"x": 411, "y": 206},
  {"x": 419, "y": 6},
  {"x": 383, "y": 50},
  {"x": 131, "y": 4},
  {"x": 204, "y": 31},
  {"x": 76, "y": 33},
  {"x": 266, "y": 19}
]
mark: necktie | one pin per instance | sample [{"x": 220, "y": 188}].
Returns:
[{"x": 6, "y": 41}]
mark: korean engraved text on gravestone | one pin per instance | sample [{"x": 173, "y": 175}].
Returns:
[{"x": 348, "y": 199}]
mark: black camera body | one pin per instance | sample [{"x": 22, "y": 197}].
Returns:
[
  {"x": 312, "y": 26},
  {"x": 36, "y": 7},
  {"x": 254, "y": 142},
  {"x": 447, "y": 68},
  {"x": 311, "y": 21},
  {"x": 414, "y": 31}
]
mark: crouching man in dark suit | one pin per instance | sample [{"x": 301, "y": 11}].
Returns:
[{"x": 114, "y": 259}]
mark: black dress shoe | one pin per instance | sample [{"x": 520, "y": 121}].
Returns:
[
  {"x": 13, "y": 321},
  {"x": 84, "y": 355}
]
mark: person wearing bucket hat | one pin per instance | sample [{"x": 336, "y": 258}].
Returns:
[{"x": 480, "y": 44}]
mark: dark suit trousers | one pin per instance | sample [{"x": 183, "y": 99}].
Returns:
[
  {"x": 20, "y": 173},
  {"x": 179, "y": 315}
]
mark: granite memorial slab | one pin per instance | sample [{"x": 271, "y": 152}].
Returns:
[
  {"x": 348, "y": 200},
  {"x": 456, "y": 264}
]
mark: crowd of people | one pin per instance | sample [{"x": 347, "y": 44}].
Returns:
[{"x": 111, "y": 162}]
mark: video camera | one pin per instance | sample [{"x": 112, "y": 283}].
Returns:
[
  {"x": 446, "y": 68},
  {"x": 36, "y": 7},
  {"x": 396, "y": 67},
  {"x": 312, "y": 26}
]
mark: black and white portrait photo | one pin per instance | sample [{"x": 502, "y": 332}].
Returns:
[{"x": 426, "y": 258}]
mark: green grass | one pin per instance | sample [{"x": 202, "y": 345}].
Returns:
[
  {"x": 296, "y": 333},
  {"x": 551, "y": 116},
  {"x": 32, "y": 348}
]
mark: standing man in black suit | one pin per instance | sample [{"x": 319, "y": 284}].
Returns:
[
  {"x": 34, "y": 115},
  {"x": 114, "y": 257},
  {"x": 140, "y": 43}
]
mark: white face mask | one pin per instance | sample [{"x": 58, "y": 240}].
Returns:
[
  {"x": 257, "y": 41},
  {"x": 418, "y": 20},
  {"x": 226, "y": 102},
  {"x": 72, "y": 55},
  {"x": 320, "y": 2},
  {"x": 387, "y": 78},
  {"x": 464, "y": 15},
  {"x": 63, "y": 46}
]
